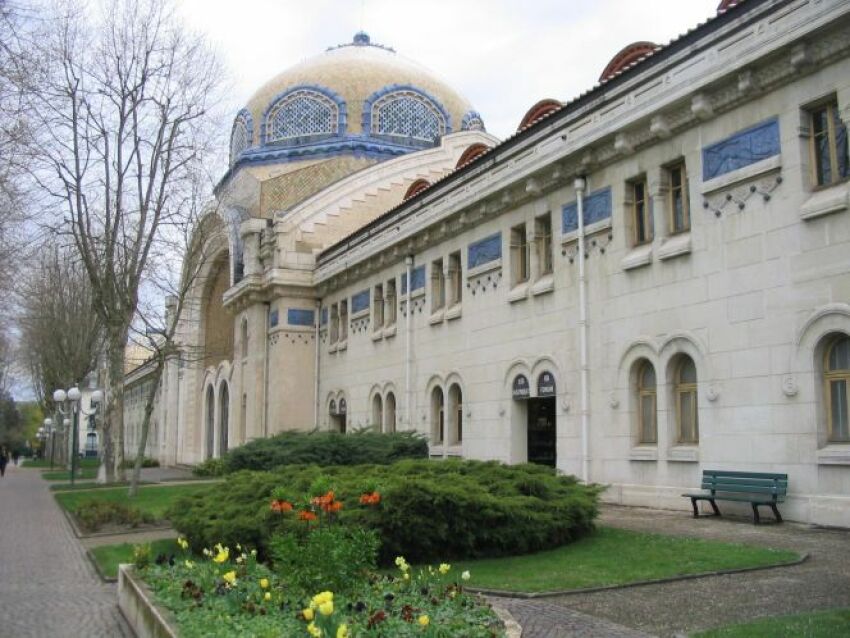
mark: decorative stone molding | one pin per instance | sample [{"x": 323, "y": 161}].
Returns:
[
  {"x": 737, "y": 198},
  {"x": 789, "y": 386},
  {"x": 659, "y": 126},
  {"x": 712, "y": 392},
  {"x": 701, "y": 107},
  {"x": 613, "y": 401}
]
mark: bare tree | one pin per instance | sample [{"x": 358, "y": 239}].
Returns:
[
  {"x": 123, "y": 111},
  {"x": 60, "y": 336}
]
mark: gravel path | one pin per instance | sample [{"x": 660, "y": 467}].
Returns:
[{"x": 47, "y": 585}]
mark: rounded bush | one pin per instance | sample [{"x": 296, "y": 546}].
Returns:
[{"x": 429, "y": 510}]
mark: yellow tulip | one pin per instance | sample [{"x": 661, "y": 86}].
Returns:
[
  {"x": 264, "y": 583},
  {"x": 342, "y": 631},
  {"x": 307, "y": 613},
  {"x": 222, "y": 556},
  {"x": 326, "y": 608},
  {"x": 268, "y": 596},
  {"x": 424, "y": 620},
  {"x": 230, "y": 577},
  {"x": 444, "y": 568},
  {"x": 313, "y": 630}
]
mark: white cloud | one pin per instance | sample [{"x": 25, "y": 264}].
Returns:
[{"x": 503, "y": 55}]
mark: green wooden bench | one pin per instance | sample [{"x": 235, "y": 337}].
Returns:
[{"x": 756, "y": 488}]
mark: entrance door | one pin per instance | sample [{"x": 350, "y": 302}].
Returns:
[{"x": 541, "y": 431}]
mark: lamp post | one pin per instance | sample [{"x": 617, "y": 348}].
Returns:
[
  {"x": 41, "y": 436},
  {"x": 73, "y": 396},
  {"x": 51, "y": 434}
]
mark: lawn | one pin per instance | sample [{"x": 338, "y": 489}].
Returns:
[
  {"x": 154, "y": 499},
  {"x": 108, "y": 557},
  {"x": 613, "y": 556},
  {"x": 64, "y": 475},
  {"x": 45, "y": 463},
  {"x": 816, "y": 624}
]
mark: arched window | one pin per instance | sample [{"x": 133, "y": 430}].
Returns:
[
  {"x": 377, "y": 412},
  {"x": 836, "y": 379},
  {"x": 210, "y": 421},
  {"x": 300, "y": 114},
  {"x": 685, "y": 391},
  {"x": 389, "y": 423},
  {"x": 472, "y": 122},
  {"x": 240, "y": 137},
  {"x": 456, "y": 414},
  {"x": 408, "y": 115},
  {"x": 647, "y": 404},
  {"x": 224, "y": 418},
  {"x": 438, "y": 416}
]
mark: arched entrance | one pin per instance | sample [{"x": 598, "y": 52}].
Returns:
[
  {"x": 540, "y": 417},
  {"x": 224, "y": 418},
  {"x": 210, "y": 423}
]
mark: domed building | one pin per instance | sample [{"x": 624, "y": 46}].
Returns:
[
  {"x": 318, "y": 152},
  {"x": 643, "y": 283}
]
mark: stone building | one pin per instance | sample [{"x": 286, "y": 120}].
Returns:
[{"x": 647, "y": 281}]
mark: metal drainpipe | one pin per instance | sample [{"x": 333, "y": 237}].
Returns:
[
  {"x": 316, "y": 389},
  {"x": 579, "y": 186},
  {"x": 408, "y": 261},
  {"x": 268, "y": 306}
]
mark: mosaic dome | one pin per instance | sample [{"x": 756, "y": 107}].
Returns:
[{"x": 358, "y": 98}]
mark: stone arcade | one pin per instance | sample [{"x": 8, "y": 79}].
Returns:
[{"x": 379, "y": 259}]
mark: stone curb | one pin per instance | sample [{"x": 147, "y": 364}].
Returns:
[
  {"x": 500, "y": 593},
  {"x": 512, "y": 627},
  {"x": 83, "y": 535},
  {"x": 96, "y": 565}
]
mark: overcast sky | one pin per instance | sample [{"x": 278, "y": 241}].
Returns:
[{"x": 503, "y": 55}]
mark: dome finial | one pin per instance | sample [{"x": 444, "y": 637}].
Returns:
[{"x": 361, "y": 38}]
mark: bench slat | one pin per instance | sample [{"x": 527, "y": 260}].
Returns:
[
  {"x": 754, "y": 489},
  {"x": 760, "y": 475},
  {"x": 756, "y": 486},
  {"x": 742, "y": 496}
]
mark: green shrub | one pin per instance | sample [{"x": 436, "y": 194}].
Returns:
[
  {"x": 210, "y": 467},
  {"x": 326, "y": 448},
  {"x": 429, "y": 510},
  {"x": 331, "y": 557},
  {"x": 92, "y": 515}
]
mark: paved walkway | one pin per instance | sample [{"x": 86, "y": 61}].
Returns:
[
  {"x": 678, "y": 608},
  {"x": 47, "y": 585}
]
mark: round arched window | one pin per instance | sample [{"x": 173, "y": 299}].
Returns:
[{"x": 837, "y": 380}]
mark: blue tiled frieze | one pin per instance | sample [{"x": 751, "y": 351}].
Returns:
[
  {"x": 484, "y": 251},
  {"x": 741, "y": 149},
  {"x": 597, "y": 206}
]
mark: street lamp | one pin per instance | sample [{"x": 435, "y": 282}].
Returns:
[
  {"x": 73, "y": 396},
  {"x": 50, "y": 431},
  {"x": 41, "y": 436}
]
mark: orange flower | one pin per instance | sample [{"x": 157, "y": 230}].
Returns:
[
  {"x": 306, "y": 515},
  {"x": 333, "y": 507},
  {"x": 281, "y": 506},
  {"x": 370, "y": 498}
]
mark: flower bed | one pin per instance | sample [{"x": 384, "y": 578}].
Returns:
[
  {"x": 425, "y": 510},
  {"x": 227, "y": 592}
]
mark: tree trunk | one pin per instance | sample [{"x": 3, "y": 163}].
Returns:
[
  {"x": 114, "y": 415},
  {"x": 146, "y": 421}
]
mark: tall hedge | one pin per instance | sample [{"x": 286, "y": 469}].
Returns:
[
  {"x": 429, "y": 510},
  {"x": 321, "y": 448}
]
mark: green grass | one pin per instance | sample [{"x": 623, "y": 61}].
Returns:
[
  {"x": 155, "y": 499},
  {"x": 816, "y": 624},
  {"x": 64, "y": 475},
  {"x": 45, "y": 463},
  {"x": 613, "y": 556},
  {"x": 108, "y": 557},
  {"x": 91, "y": 485}
]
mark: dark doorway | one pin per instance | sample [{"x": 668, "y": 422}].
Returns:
[{"x": 542, "y": 430}]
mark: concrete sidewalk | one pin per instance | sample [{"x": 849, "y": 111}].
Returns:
[{"x": 47, "y": 585}]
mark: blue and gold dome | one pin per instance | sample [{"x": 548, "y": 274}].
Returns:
[{"x": 358, "y": 99}]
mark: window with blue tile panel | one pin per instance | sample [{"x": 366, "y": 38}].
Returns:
[
  {"x": 597, "y": 207},
  {"x": 273, "y": 318},
  {"x": 360, "y": 301},
  {"x": 484, "y": 251},
  {"x": 418, "y": 278},
  {"x": 324, "y": 316},
  {"x": 745, "y": 147},
  {"x": 300, "y": 317}
]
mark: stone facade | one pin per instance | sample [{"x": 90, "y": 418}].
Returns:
[{"x": 681, "y": 327}]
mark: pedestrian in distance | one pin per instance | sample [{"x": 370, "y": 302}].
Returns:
[
  {"x": 4, "y": 458},
  {"x": 15, "y": 456}
]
